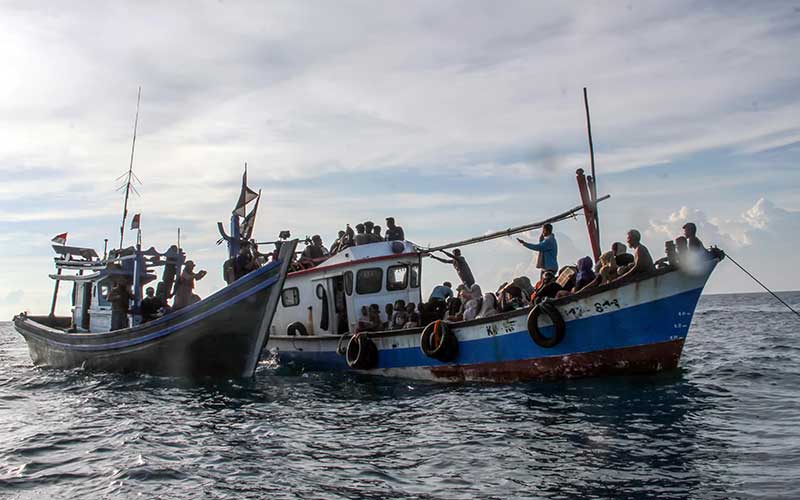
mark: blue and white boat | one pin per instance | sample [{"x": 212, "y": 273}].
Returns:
[{"x": 623, "y": 327}]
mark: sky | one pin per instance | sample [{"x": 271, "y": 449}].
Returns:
[{"x": 456, "y": 118}]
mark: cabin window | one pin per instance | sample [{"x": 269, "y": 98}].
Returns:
[
  {"x": 396, "y": 278},
  {"x": 103, "y": 289},
  {"x": 414, "y": 275},
  {"x": 290, "y": 297},
  {"x": 369, "y": 280},
  {"x": 348, "y": 283}
]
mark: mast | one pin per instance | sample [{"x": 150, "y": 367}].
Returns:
[
  {"x": 593, "y": 181},
  {"x": 130, "y": 175}
]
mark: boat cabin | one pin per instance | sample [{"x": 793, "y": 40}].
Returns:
[
  {"x": 327, "y": 299},
  {"x": 94, "y": 278}
]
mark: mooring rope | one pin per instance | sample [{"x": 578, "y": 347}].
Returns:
[{"x": 762, "y": 284}]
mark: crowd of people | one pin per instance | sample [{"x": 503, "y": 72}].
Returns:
[
  {"x": 156, "y": 303},
  {"x": 617, "y": 264}
]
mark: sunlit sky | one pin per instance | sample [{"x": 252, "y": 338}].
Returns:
[{"x": 456, "y": 118}]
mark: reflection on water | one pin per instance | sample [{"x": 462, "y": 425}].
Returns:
[{"x": 725, "y": 425}]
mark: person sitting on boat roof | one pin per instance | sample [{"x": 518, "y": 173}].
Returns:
[
  {"x": 120, "y": 297},
  {"x": 376, "y": 234},
  {"x": 361, "y": 237},
  {"x": 183, "y": 288},
  {"x": 339, "y": 243},
  {"x": 441, "y": 292},
  {"x": 459, "y": 264},
  {"x": 316, "y": 250},
  {"x": 368, "y": 227},
  {"x": 151, "y": 305},
  {"x": 642, "y": 260},
  {"x": 393, "y": 232},
  {"x": 547, "y": 248}
]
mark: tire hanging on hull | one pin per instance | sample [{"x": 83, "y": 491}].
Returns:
[
  {"x": 559, "y": 325},
  {"x": 439, "y": 342},
  {"x": 362, "y": 353}
]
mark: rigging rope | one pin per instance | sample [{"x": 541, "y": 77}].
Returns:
[{"x": 762, "y": 284}]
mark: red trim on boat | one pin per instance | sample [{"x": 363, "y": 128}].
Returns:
[
  {"x": 350, "y": 263},
  {"x": 626, "y": 360}
]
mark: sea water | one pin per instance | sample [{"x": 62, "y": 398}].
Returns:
[{"x": 726, "y": 424}]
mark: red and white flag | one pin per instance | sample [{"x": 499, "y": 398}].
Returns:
[
  {"x": 60, "y": 239},
  {"x": 135, "y": 221}
]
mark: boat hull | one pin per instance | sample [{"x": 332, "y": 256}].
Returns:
[
  {"x": 638, "y": 327},
  {"x": 220, "y": 336}
]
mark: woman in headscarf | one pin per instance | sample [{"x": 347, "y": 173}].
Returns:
[
  {"x": 585, "y": 273},
  {"x": 473, "y": 305},
  {"x": 185, "y": 285},
  {"x": 607, "y": 273},
  {"x": 489, "y": 306}
]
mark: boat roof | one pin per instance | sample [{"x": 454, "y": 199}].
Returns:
[{"x": 361, "y": 253}]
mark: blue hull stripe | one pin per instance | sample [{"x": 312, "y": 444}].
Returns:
[
  {"x": 649, "y": 323},
  {"x": 166, "y": 331}
]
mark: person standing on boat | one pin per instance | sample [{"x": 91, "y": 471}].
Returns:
[
  {"x": 185, "y": 285},
  {"x": 120, "y": 298},
  {"x": 547, "y": 248},
  {"x": 441, "y": 292},
  {"x": 393, "y": 232},
  {"x": 151, "y": 305},
  {"x": 459, "y": 264}
]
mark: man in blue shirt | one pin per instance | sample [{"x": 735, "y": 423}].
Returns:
[
  {"x": 441, "y": 292},
  {"x": 547, "y": 248}
]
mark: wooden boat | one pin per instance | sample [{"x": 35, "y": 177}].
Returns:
[
  {"x": 220, "y": 336},
  {"x": 629, "y": 327},
  {"x": 632, "y": 326}
]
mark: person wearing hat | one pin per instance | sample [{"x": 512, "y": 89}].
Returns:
[
  {"x": 393, "y": 232},
  {"x": 315, "y": 250},
  {"x": 690, "y": 233},
  {"x": 185, "y": 285}
]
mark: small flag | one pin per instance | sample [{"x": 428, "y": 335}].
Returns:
[
  {"x": 135, "y": 221},
  {"x": 60, "y": 239}
]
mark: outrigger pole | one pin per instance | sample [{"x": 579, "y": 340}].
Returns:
[
  {"x": 512, "y": 230},
  {"x": 130, "y": 174}
]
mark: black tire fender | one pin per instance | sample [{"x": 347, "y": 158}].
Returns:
[
  {"x": 296, "y": 328},
  {"x": 559, "y": 325},
  {"x": 362, "y": 353},
  {"x": 438, "y": 341}
]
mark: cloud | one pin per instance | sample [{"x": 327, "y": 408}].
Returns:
[{"x": 759, "y": 238}]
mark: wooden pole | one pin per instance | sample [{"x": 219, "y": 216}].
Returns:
[
  {"x": 593, "y": 181},
  {"x": 55, "y": 289}
]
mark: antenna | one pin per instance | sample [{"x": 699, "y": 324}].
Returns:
[{"x": 131, "y": 176}]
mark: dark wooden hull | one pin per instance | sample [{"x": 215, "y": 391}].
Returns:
[{"x": 220, "y": 336}]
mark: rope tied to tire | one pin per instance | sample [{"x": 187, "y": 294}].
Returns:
[{"x": 438, "y": 341}]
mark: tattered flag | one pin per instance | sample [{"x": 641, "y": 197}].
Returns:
[
  {"x": 249, "y": 222},
  {"x": 246, "y": 196},
  {"x": 60, "y": 239},
  {"x": 135, "y": 221}
]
